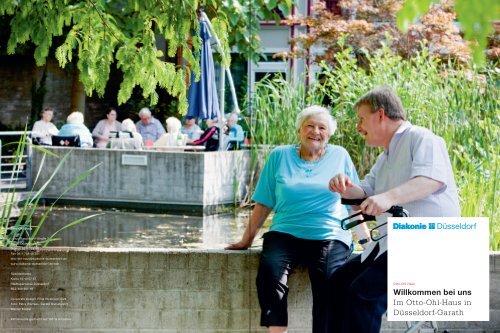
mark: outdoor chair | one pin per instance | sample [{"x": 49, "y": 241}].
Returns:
[
  {"x": 36, "y": 141},
  {"x": 66, "y": 141},
  {"x": 122, "y": 140},
  {"x": 235, "y": 144}
]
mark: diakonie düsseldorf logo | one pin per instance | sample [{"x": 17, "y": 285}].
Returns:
[{"x": 434, "y": 226}]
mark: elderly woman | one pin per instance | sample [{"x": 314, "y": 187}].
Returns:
[
  {"x": 306, "y": 224},
  {"x": 210, "y": 137},
  {"x": 74, "y": 126},
  {"x": 235, "y": 132},
  {"x": 104, "y": 127},
  {"x": 127, "y": 138},
  {"x": 173, "y": 137}
]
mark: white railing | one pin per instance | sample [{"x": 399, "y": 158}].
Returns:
[{"x": 15, "y": 171}]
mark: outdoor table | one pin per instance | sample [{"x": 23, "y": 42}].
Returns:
[{"x": 175, "y": 148}]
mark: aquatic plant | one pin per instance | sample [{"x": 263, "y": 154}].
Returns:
[{"x": 19, "y": 230}]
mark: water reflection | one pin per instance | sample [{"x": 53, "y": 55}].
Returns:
[{"x": 119, "y": 229}]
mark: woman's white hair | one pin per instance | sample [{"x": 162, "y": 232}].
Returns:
[
  {"x": 316, "y": 110},
  {"x": 75, "y": 118},
  {"x": 128, "y": 125},
  {"x": 234, "y": 117},
  {"x": 173, "y": 124}
]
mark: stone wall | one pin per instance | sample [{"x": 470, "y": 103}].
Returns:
[
  {"x": 17, "y": 75},
  {"x": 99, "y": 290}
]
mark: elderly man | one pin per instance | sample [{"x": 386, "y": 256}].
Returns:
[
  {"x": 44, "y": 129},
  {"x": 149, "y": 127},
  {"x": 413, "y": 171}
]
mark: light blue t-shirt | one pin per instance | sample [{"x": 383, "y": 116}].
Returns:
[
  {"x": 78, "y": 129},
  {"x": 298, "y": 192},
  {"x": 236, "y": 133}
]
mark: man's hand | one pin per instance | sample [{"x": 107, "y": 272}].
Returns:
[
  {"x": 340, "y": 183},
  {"x": 376, "y": 205},
  {"x": 366, "y": 244}
]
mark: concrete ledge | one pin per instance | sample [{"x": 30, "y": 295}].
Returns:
[
  {"x": 191, "y": 180},
  {"x": 160, "y": 290}
]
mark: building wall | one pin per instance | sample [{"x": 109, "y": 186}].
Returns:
[{"x": 104, "y": 290}]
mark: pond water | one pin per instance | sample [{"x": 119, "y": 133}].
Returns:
[{"x": 126, "y": 229}]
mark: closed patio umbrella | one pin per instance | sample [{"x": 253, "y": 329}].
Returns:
[{"x": 202, "y": 96}]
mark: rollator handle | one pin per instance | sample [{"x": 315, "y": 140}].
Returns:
[
  {"x": 397, "y": 211},
  {"x": 351, "y": 202},
  {"x": 346, "y": 223}
]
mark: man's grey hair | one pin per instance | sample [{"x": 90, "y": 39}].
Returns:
[
  {"x": 145, "y": 112},
  {"x": 316, "y": 110},
  {"x": 385, "y": 98}
]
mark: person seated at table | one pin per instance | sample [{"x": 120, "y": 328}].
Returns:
[
  {"x": 104, "y": 128},
  {"x": 209, "y": 138},
  {"x": 127, "y": 138},
  {"x": 173, "y": 137},
  {"x": 235, "y": 132},
  {"x": 149, "y": 127},
  {"x": 191, "y": 129},
  {"x": 74, "y": 126},
  {"x": 44, "y": 129}
]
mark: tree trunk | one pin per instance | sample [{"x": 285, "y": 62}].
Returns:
[{"x": 77, "y": 93}]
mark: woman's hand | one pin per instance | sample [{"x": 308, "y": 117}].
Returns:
[
  {"x": 241, "y": 245},
  {"x": 340, "y": 183},
  {"x": 259, "y": 215}
]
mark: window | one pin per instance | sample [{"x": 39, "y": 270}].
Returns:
[
  {"x": 333, "y": 6},
  {"x": 270, "y": 69}
]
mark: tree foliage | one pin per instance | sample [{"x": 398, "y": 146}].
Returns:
[
  {"x": 368, "y": 24},
  {"x": 475, "y": 17},
  {"x": 98, "y": 33}
]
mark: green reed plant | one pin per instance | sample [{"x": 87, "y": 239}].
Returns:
[
  {"x": 18, "y": 230},
  {"x": 455, "y": 102},
  {"x": 273, "y": 117}
]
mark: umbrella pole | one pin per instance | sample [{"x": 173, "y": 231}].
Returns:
[
  {"x": 222, "y": 89},
  {"x": 229, "y": 76},
  {"x": 221, "y": 107}
]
